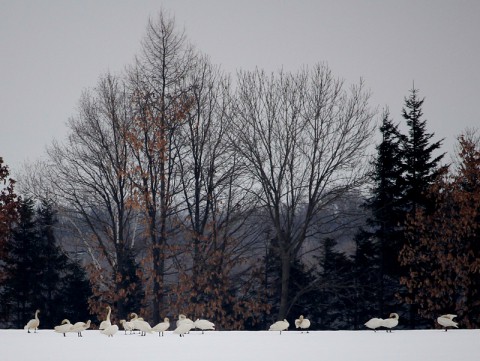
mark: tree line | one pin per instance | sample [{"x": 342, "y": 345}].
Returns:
[{"x": 179, "y": 190}]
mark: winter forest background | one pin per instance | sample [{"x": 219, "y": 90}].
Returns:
[{"x": 242, "y": 198}]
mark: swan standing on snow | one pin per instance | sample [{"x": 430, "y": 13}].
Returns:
[
  {"x": 184, "y": 325},
  {"x": 390, "y": 322},
  {"x": 162, "y": 326},
  {"x": 141, "y": 325},
  {"x": 79, "y": 327},
  {"x": 204, "y": 325},
  {"x": 302, "y": 323},
  {"x": 33, "y": 323},
  {"x": 374, "y": 323},
  {"x": 447, "y": 321},
  {"x": 279, "y": 326},
  {"x": 134, "y": 317},
  {"x": 106, "y": 323},
  {"x": 183, "y": 319},
  {"x": 183, "y": 328},
  {"x": 110, "y": 330},
  {"x": 64, "y": 327},
  {"x": 127, "y": 326}
]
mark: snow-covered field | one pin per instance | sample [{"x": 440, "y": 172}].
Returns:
[{"x": 435, "y": 345}]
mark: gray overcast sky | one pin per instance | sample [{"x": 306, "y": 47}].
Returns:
[{"x": 51, "y": 50}]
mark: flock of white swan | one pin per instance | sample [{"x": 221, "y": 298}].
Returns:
[
  {"x": 185, "y": 325},
  {"x": 445, "y": 321}
]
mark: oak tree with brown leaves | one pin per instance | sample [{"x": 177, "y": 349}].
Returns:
[
  {"x": 443, "y": 255},
  {"x": 160, "y": 101},
  {"x": 9, "y": 203}
]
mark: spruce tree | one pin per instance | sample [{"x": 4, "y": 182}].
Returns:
[
  {"x": 367, "y": 299},
  {"x": 130, "y": 285},
  {"x": 50, "y": 262},
  {"x": 75, "y": 292},
  {"x": 422, "y": 168},
  {"x": 38, "y": 274},
  {"x": 334, "y": 299},
  {"x": 20, "y": 287},
  {"x": 378, "y": 245},
  {"x": 63, "y": 283}
]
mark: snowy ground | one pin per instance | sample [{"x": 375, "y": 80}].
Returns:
[{"x": 436, "y": 345}]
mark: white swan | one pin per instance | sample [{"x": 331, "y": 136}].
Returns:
[
  {"x": 390, "y": 322},
  {"x": 110, "y": 330},
  {"x": 79, "y": 327},
  {"x": 302, "y": 323},
  {"x": 279, "y": 326},
  {"x": 64, "y": 327},
  {"x": 133, "y": 316},
  {"x": 204, "y": 325},
  {"x": 183, "y": 319},
  {"x": 33, "y": 323},
  {"x": 162, "y": 326},
  {"x": 447, "y": 321},
  {"x": 374, "y": 323},
  {"x": 183, "y": 328},
  {"x": 184, "y": 323},
  {"x": 134, "y": 319},
  {"x": 141, "y": 325},
  {"x": 127, "y": 326},
  {"x": 106, "y": 323}
]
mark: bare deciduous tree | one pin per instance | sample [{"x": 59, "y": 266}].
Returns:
[
  {"x": 304, "y": 138},
  {"x": 89, "y": 173},
  {"x": 216, "y": 263}
]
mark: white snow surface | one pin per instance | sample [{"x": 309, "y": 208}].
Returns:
[{"x": 405, "y": 345}]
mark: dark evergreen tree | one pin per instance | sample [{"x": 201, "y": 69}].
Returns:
[
  {"x": 39, "y": 275},
  {"x": 378, "y": 245},
  {"x": 422, "y": 168},
  {"x": 335, "y": 300},
  {"x": 75, "y": 293},
  {"x": 19, "y": 294},
  {"x": 386, "y": 204},
  {"x": 58, "y": 275},
  {"x": 130, "y": 285},
  {"x": 303, "y": 293},
  {"x": 50, "y": 262},
  {"x": 366, "y": 279},
  {"x": 302, "y": 288},
  {"x": 403, "y": 170}
]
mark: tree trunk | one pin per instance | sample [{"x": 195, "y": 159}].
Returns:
[{"x": 285, "y": 280}]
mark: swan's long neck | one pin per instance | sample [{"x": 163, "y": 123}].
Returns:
[
  {"x": 108, "y": 314},
  {"x": 36, "y": 314}
]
